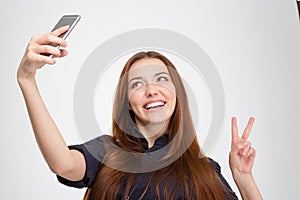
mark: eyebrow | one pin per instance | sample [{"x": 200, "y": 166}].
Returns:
[
  {"x": 140, "y": 77},
  {"x": 136, "y": 78},
  {"x": 157, "y": 74}
]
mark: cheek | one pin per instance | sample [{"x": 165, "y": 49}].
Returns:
[
  {"x": 134, "y": 100},
  {"x": 168, "y": 89},
  {"x": 174, "y": 102},
  {"x": 172, "y": 98},
  {"x": 169, "y": 92}
]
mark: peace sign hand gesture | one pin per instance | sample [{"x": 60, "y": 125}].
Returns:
[
  {"x": 241, "y": 159},
  {"x": 242, "y": 155}
]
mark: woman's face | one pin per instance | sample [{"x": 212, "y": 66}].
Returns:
[{"x": 151, "y": 92}]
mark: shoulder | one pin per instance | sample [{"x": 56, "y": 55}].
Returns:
[
  {"x": 217, "y": 168},
  {"x": 93, "y": 152},
  {"x": 98, "y": 146},
  {"x": 102, "y": 139},
  {"x": 215, "y": 165}
]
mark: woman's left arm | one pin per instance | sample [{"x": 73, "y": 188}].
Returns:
[{"x": 241, "y": 159}]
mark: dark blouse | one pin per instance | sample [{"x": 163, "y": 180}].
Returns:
[{"x": 93, "y": 165}]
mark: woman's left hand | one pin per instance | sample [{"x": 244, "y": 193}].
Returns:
[{"x": 242, "y": 155}]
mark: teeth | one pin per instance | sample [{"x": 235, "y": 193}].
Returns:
[{"x": 154, "y": 104}]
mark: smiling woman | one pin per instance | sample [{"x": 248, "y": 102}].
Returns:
[
  {"x": 151, "y": 121},
  {"x": 150, "y": 109}
]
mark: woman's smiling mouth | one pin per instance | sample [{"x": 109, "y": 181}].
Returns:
[{"x": 154, "y": 104}]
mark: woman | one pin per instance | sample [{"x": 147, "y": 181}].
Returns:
[{"x": 150, "y": 115}]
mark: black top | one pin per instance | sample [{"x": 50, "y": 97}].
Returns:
[{"x": 93, "y": 164}]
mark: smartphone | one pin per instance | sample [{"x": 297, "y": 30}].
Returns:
[
  {"x": 70, "y": 20},
  {"x": 298, "y": 4},
  {"x": 65, "y": 20}
]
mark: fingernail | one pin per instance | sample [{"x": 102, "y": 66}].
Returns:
[{"x": 64, "y": 44}]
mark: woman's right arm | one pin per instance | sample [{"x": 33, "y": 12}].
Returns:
[{"x": 69, "y": 164}]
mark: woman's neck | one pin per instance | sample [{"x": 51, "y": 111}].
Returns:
[{"x": 153, "y": 131}]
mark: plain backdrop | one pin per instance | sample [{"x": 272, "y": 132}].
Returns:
[{"x": 255, "y": 46}]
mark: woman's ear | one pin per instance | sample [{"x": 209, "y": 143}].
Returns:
[{"x": 129, "y": 106}]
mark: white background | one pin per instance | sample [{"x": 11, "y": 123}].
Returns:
[{"x": 255, "y": 46}]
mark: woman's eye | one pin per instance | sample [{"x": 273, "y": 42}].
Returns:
[
  {"x": 136, "y": 84},
  {"x": 162, "y": 78}
]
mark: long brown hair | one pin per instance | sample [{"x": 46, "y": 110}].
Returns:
[{"x": 193, "y": 171}]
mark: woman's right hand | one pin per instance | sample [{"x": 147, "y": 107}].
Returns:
[
  {"x": 67, "y": 163},
  {"x": 38, "y": 45}
]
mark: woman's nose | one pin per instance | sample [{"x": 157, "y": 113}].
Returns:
[{"x": 151, "y": 89}]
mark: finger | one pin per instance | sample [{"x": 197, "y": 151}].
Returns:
[
  {"x": 248, "y": 152},
  {"x": 63, "y": 53},
  {"x": 234, "y": 128},
  {"x": 245, "y": 148},
  {"x": 248, "y": 128},
  {"x": 61, "y": 30},
  {"x": 46, "y": 59},
  {"x": 38, "y": 60},
  {"x": 48, "y": 50},
  {"x": 49, "y": 39},
  {"x": 240, "y": 146},
  {"x": 251, "y": 152}
]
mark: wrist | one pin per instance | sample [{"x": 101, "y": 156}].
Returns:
[
  {"x": 247, "y": 186},
  {"x": 26, "y": 84},
  {"x": 241, "y": 177},
  {"x": 23, "y": 79}
]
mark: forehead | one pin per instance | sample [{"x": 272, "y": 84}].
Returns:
[{"x": 147, "y": 67}]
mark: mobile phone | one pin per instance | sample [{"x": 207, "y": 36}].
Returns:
[
  {"x": 65, "y": 20},
  {"x": 298, "y": 5}
]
